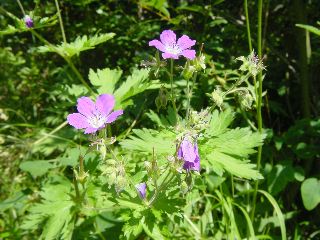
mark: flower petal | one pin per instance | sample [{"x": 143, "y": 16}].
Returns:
[
  {"x": 113, "y": 116},
  {"x": 196, "y": 165},
  {"x": 168, "y": 37},
  {"x": 185, "y": 42},
  {"x": 188, "y": 151},
  {"x": 86, "y": 106},
  {"x": 141, "y": 187},
  {"x": 157, "y": 44},
  {"x": 170, "y": 55},
  {"x": 90, "y": 130},
  {"x": 190, "y": 54},
  {"x": 77, "y": 120},
  {"x": 105, "y": 103}
]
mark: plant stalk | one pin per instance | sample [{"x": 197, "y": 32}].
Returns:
[
  {"x": 248, "y": 25},
  {"x": 259, "y": 115},
  {"x": 61, "y": 22},
  {"x": 173, "y": 99}
]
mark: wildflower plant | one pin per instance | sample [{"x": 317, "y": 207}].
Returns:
[{"x": 148, "y": 178}]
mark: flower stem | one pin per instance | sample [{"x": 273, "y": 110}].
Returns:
[
  {"x": 248, "y": 25},
  {"x": 21, "y": 7},
  {"x": 67, "y": 59},
  {"x": 190, "y": 92},
  {"x": 164, "y": 183},
  {"x": 259, "y": 117},
  {"x": 173, "y": 99},
  {"x": 61, "y": 22}
]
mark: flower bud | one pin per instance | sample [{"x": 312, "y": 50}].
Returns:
[
  {"x": 141, "y": 188},
  {"x": 184, "y": 187},
  {"x": 28, "y": 21},
  {"x": 217, "y": 97}
]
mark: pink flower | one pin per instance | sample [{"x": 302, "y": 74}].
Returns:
[
  {"x": 171, "y": 48},
  {"x": 142, "y": 187},
  {"x": 94, "y": 116},
  {"x": 189, "y": 153}
]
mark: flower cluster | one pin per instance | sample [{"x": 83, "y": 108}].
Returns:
[{"x": 94, "y": 116}]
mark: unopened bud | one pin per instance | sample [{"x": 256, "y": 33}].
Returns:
[
  {"x": 28, "y": 21},
  {"x": 217, "y": 97},
  {"x": 184, "y": 187}
]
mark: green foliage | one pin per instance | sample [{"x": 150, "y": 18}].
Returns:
[
  {"x": 98, "y": 199},
  {"x": 161, "y": 6},
  {"x": 55, "y": 209},
  {"x": 149, "y": 141},
  {"x": 80, "y": 44},
  {"x": 36, "y": 168},
  {"x": 310, "y": 192},
  {"x": 228, "y": 149},
  {"x": 20, "y": 25},
  {"x": 107, "y": 81},
  {"x": 309, "y": 28}
]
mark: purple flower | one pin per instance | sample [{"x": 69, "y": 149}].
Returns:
[
  {"x": 94, "y": 116},
  {"x": 171, "y": 48},
  {"x": 188, "y": 152},
  {"x": 28, "y": 21},
  {"x": 141, "y": 187}
]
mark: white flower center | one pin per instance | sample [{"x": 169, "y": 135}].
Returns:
[
  {"x": 173, "y": 49},
  {"x": 97, "y": 120}
]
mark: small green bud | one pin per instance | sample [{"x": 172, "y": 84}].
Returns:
[
  {"x": 112, "y": 177},
  {"x": 188, "y": 71},
  {"x": 189, "y": 180},
  {"x": 217, "y": 97},
  {"x": 184, "y": 187},
  {"x": 246, "y": 101},
  {"x": 158, "y": 103},
  {"x": 163, "y": 96},
  {"x": 200, "y": 62},
  {"x": 148, "y": 166},
  {"x": 251, "y": 64},
  {"x": 103, "y": 151}
]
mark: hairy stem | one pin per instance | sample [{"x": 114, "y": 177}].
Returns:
[
  {"x": 61, "y": 22},
  {"x": 259, "y": 116},
  {"x": 21, "y": 7},
  {"x": 67, "y": 59},
  {"x": 173, "y": 99},
  {"x": 248, "y": 25}
]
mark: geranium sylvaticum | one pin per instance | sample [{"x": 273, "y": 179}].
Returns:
[
  {"x": 94, "y": 116},
  {"x": 171, "y": 48},
  {"x": 188, "y": 152}
]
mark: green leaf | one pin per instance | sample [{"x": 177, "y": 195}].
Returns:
[
  {"x": 105, "y": 80},
  {"x": 219, "y": 122},
  {"x": 160, "y": 5},
  {"x": 278, "y": 211},
  {"x": 227, "y": 149},
  {"x": 309, "y": 28},
  {"x": 55, "y": 209},
  {"x": 80, "y": 44},
  {"x": 136, "y": 83},
  {"x": 236, "y": 167},
  {"x": 310, "y": 192},
  {"x": 145, "y": 140},
  {"x": 281, "y": 175},
  {"x": 36, "y": 168},
  {"x": 18, "y": 198},
  {"x": 240, "y": 142}
]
